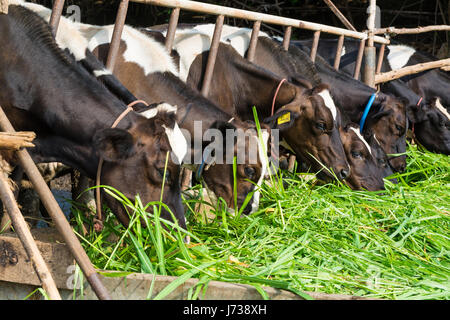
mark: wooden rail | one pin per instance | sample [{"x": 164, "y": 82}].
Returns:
[
  {"x": 395, "y": 74},
  {"x": 256, "y": 16},
  {"x": 395, "y": 31}
]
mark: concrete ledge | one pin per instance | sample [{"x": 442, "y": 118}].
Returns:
[{"x": 18, "y": 278}]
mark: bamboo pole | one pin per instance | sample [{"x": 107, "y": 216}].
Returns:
[
  {"x": 253, "y": 41},
  {"x": 339, "y": 14},
  {"x": 15, "y": 141},
  {"x": 395, "y": 74},
  {"x": 287, "y": 38},
  {"x": 369, "y": 50},
  {"x": 117, "y": 34},
  {"x": 57, "y": 215},
  {"x": 57, "y": 9},
  {"x": 362, "y": 45},
  {"x": 337, "y": 58},
  {"x": 22, "y": 230},
  {"x": 173, "y": 22},
  {"x": 395, "y": 31},
  {"x": 256, "y": 16},
  {"x": 314, "y": 46},
  {"x": 212, "y": 55},
  {"x": 4, "y": 6}
]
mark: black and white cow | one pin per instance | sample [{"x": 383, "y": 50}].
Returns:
[
  {"x": 426, "y": 93},
  {"x": 238, "y": 85},
  {"x": 148, "y": 72},
  {"x": 45, "y": 91}
]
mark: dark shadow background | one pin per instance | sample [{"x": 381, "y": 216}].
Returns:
[{"x": 398, "y": 13}]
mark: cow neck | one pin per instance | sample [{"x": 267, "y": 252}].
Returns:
[
  {"x": 191, "y": 105},
  {"x": 257, "y": 87}
]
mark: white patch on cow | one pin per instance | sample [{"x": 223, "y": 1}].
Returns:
[
  {"x": 146, "y": 52},
  {"x": 343, "y": 51},
  {"x": 356, "y": 131},
  {"x": 162, "y": 107},
  {"x": 263, "y": 158},
  {"x": 375, "y": 137},
  {"x": 329, "y": 103},
  {"x": 285, "y": 145},
  {"x": 104, "y": 72},
  {"x": 176, "y": 138},
  {"x": 189, "y": 43},
  {"x": 399, "y": 56},
  {"x": 441, "y": 108},
  {"x": 177, "y": 143},
  {"x": 67, "y": 36}
]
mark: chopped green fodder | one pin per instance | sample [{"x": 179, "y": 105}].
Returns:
[{"x": 392, "y": 244}]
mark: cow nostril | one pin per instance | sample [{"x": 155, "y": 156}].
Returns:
[{"x": 343, "y": 174}]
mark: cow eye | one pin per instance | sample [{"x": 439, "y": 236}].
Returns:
[
  {"x": 161, "y": 173},
  {"x": 250, "y": 172},
  {"x": 382, "y": 162},
  {"x": 320, "y": 126},
  {"x": 356, "y": 154},
  {"x": 399, "y": 128}
]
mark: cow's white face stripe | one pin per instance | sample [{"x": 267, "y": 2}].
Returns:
[
  {"x": 263, "y": 158},
  {"x": 441, "y": 108},
  {"x": 399, "y": 56},
  {"x": 329, "y": 103},
  {"x": 356, "y": 131}
]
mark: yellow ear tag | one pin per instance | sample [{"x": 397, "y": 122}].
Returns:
[{"x": 284, "y": 118}]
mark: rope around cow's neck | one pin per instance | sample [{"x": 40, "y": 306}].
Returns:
[
  {"x": 98, "y": 224},
  {"x": 276, "y": 94}
]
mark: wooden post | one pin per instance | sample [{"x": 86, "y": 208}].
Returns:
[
  {"x": 370, "y": 51},
  {"x": 356, "y": 71},
  {"x": 57, "y": 215},
  {"x": 314, "y": 46},
  {"x": 337, "y": 58},
  {"x": 22, "y": 230},
  {"x": 212, "y": 56},
  {"x": 117, "y": 34},
  {"x": 339, "y": 15},
  {"x": 173, "y": 22},
  {"x": 57, "y": 9},
  {"x": 253, "y": 41},
  {"x": 287, "y": 38},
  {"x": 4, "y": 6},
  {"x": 380, "y": 58}
]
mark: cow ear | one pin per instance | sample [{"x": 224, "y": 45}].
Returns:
[
  {"x": 114, "y": 144},
  {"x": 381, "y": 113},
  {"x": 283, "y": 119}
]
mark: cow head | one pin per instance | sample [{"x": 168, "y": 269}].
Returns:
[
  {"x": 251, "y": 163},
  {"x": 134, "y": 162},
  {"x": 366, "y": 172},
  {"x": 431, "y": 123},
  {"x": 308, "y": 125},
  {"x": 387, "y": 120}
]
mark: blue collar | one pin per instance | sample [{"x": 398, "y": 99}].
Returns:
[
  {"x": 199, "y": 172},
  {"x": 366, "y": 112}
]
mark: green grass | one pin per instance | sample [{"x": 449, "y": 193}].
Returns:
[{"x": 392, "y": 244}]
